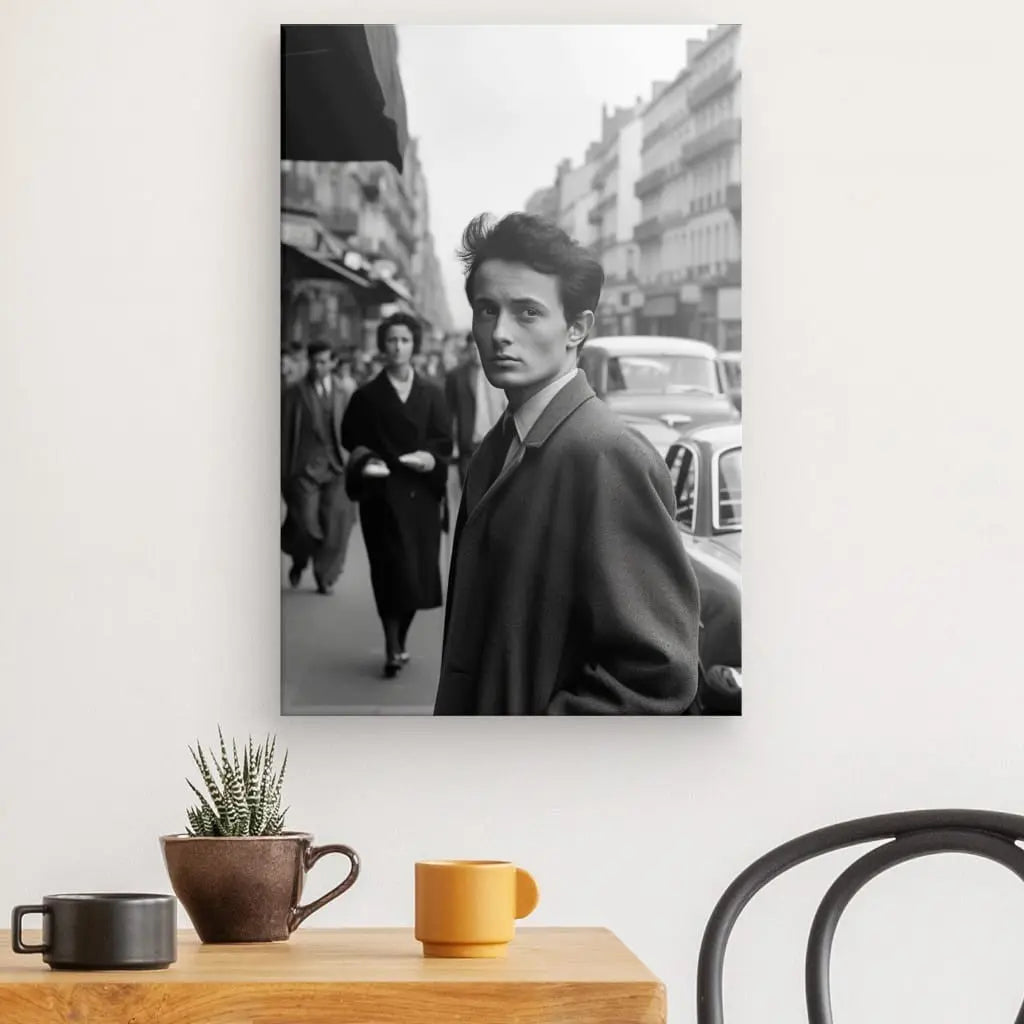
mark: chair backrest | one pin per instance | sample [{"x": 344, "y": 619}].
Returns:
[{"x": 990, "y": 834}]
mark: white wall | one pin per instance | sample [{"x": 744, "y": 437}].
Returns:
[{"x": 139, "y": 312}]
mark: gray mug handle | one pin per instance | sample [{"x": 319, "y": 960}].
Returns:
[
  {"x": 312, "y": 855},
  {"x": 16, "y": 917}
]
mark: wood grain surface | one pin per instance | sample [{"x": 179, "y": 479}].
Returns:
[{"x": 347, "y": 976}]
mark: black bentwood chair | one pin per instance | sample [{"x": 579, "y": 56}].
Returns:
[{"x": 990, "y": 834}]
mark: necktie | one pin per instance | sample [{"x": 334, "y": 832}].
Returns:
[{"x": 506, "y": 434}]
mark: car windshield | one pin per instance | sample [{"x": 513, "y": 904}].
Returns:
[
  {"x": 729, "y": 504},
  {"x": 660, "y": 374}
]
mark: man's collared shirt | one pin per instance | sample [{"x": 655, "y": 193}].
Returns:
[{"x": 530, "y": 411}]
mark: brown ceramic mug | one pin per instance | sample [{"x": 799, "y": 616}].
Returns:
[{"x": 247, "y": 888}]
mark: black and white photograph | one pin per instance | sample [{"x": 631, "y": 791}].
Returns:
[{"x": 511, "y": 370}]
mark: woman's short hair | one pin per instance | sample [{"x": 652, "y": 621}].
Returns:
[
  {"x": 405, "y": 320},
  {"x": 541, "y": 245}
]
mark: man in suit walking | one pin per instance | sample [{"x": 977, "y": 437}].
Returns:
[
  {"x": 320, "y": 515},
  {"x": 570, "y": 591},
  {"x": 475, "y": 404}
]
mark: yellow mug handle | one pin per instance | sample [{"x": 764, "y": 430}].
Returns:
[{"x": 527, "y": 894}]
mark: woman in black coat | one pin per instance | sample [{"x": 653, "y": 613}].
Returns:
[{"x": 397, "y": 429}]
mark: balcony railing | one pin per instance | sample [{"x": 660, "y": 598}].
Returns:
[
  {"x": 724, "y": 134},
  {"x": 709, "y": 87},
  {"x": 650, "y": 182},
  {"x": 648, "y": 229},
  {"x": 604, "y": 172},
  {"x": 734, "y": 199}
]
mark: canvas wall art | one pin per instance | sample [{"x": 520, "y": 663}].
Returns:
[{"x": 511, "y": 385}]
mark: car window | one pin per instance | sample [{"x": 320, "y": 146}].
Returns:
[
  {"x": 660, "y": 374},
  {"x": 729, "y": 501},
  {"x": 682, "y": 465},
  {"x": 733, "y": 373}
]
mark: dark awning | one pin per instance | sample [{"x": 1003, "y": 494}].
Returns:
[
  {"x": 298, "y": 262},
  {"x": 341, "y": 94}
]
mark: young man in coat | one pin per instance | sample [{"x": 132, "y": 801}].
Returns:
[
  {"x": 570, "y": 591},
  {"x": 320, "y": 515}
]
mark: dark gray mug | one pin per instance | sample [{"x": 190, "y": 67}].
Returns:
[{"x": 102, "y": 931}]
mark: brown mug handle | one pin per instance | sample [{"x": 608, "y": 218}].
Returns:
[
  {"x": 17, "y": 942},
  {"x": 311, "y": 856}
]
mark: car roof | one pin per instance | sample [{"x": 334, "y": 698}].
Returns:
[
  {"x": 731, "y": 356},
  {"x": 716, "y": 435},
  {"x": 652, "y": 345}
]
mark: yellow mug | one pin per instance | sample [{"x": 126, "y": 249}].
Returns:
[{"x": 469, "y": 908}]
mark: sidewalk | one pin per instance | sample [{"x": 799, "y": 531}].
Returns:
[{"x": 332, "y": 647}]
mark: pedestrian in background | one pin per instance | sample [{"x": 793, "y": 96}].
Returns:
[
  {"x": 343, "y": 375},
  {"x": 320, "y": 515},
  {"x": 397, "y": 429}
]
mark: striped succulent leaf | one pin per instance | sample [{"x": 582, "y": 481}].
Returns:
[
  {"x": 204, "y": 768},
  {"x": 243, "y": 790}
]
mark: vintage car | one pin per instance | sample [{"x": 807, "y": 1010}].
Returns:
[
  {"x": 676, "y": 380},
  {"x": 706, "y": 468}
]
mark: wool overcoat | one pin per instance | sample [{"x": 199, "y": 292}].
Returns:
[{"x": 570, "y": 591}]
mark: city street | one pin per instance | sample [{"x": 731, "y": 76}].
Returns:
[{"x": 333, "y": 646}]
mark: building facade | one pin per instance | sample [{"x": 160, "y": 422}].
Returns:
[
  {"x": 357, "y": 246},
  {"x": 615, "y": 214},
  {"x": 663, "y": 191},
  {"x": 659, "y": 199},
  {"x": 712, "y": 155},
  {"x": 544, "y": 203}
]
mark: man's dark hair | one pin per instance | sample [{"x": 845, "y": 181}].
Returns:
[
  {"x": 540, "y": 245},
  {"x": 406, "y": 320},
  {"x": 316, "y": 347}
]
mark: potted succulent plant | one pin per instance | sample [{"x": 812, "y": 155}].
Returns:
[{"x": 238, "y": 874}]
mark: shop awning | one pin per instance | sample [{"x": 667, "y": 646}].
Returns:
[
  {"x": 341, "y": 94},
  {"x": 299, "y": 262}
]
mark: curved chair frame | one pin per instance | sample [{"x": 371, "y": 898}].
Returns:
[{"x": 989, "y": 834}]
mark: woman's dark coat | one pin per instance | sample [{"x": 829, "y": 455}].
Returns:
[{"x": 400, "y": 514}]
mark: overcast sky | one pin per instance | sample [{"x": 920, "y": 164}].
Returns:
[{"x": 496, "y": 107}]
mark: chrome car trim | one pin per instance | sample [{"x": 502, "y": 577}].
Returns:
[
  {"x": 716, "y": 491},
  {"x": 695, "y": 452}
]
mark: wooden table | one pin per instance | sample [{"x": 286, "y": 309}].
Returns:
[{"x": 328, "y": 976}]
